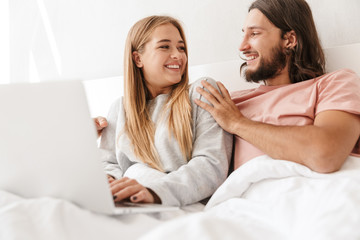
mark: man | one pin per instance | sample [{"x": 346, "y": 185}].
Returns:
[{"x": 300, "y": 114}]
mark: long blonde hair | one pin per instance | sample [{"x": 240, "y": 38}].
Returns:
[{"x": 138, "y": 125}]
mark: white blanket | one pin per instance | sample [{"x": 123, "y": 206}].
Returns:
[
  {"x": 55, "y": 219},
  {"x": 263, "y": 199},
  {"x": 275, "y": 199}
]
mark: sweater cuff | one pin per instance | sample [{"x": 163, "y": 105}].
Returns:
[{"x": 163, "y": 193}]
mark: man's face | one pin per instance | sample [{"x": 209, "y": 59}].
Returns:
[{"x": 262, "y": 48}]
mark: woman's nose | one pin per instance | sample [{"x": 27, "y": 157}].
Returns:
[{"x": 176, "y": 54}]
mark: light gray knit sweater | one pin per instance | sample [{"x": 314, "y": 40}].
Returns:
[{"x": 185, "y": 182}]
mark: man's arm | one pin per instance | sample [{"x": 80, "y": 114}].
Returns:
[{"x": 323, "y": 147}]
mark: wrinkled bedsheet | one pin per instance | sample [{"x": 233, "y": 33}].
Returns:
[
  {"x": 263, "y": 199},
  {"x": 276, "y": 199}
]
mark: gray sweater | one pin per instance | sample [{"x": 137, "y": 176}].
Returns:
[{"x": 184, "y": 182}]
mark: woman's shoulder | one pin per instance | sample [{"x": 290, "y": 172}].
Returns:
[
  {"x": 116, "y": 108},
  {"x": 197, "y": 83},
  {"x": 117, "y": 103}
]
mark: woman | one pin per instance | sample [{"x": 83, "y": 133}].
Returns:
[{"x": 159, "y": 146}]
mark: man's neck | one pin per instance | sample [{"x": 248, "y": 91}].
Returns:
[{"x": 281, "y": 79}]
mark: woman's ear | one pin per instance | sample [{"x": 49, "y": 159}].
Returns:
[
  {"x": 290, "y": 39},
  {"x": 137, "y": 59}
]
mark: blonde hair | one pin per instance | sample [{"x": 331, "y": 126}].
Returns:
[{"x": 138, "y": 125}]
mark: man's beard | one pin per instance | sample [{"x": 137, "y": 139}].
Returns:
[{"x": 267, "y": 69}]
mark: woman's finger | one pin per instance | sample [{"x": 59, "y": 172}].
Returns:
[
  {"x": 127, "y": 192},
  {"x": 142, "y": 196}
]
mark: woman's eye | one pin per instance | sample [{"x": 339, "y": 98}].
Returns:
[
  {"x": 164, "y": 47},
  {"x": 182, "y": 49},
  {"x": 254, "y": 34}
]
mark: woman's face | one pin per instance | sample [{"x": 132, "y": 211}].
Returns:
[{"x": 163, "y": 60}]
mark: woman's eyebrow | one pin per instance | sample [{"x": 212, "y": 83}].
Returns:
[{"x": 167, "y": 40}]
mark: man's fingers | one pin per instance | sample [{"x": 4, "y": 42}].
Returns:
[
  {"x": 223, "y": 90},
  {"x": 208, "y": 96},
  {"x": 212, "y": 90},
  {"x": 203, "y": 105}
]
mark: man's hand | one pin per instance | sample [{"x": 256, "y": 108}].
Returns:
[
  {"x": 224, "y": 110},
  {"x": 100, "y": 123},
  {"x": 322, "y": 146},
  {"x": 129, "y": 188}
]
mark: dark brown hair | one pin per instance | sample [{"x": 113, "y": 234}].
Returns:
[{"x": 307, "y": 58}]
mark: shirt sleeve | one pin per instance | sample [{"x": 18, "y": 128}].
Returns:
[
  {"x": 108, "y": 143},
  {"x": 208, "y": 166},
  {"x": 339, "y": 90}
]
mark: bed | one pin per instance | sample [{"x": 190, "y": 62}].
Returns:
[{"x": 263, "y": 199}]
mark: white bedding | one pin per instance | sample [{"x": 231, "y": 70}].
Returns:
[
  {"x": 274, "y": 199},
  {"x": 263, "y": 199},
  {"x": 55, "y": 219}
]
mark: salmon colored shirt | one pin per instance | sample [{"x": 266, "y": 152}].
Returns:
[{"x": 296, "y": 104}]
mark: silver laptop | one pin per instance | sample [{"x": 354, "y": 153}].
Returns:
[{"x": 48, "y": 147}]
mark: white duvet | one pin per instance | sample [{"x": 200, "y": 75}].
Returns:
[
  {"x": 274, "y": 199},
  {"x": 263, "y": 199}
]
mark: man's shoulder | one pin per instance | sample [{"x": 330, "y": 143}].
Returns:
[
  {"x": 239, "y": 93},
  {"x": 343, "y": 74}
]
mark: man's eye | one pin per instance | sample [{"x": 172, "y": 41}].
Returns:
[{"x": 254, "y": 34}]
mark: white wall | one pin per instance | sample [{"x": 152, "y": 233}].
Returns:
[
  {"x": 84, "y": 39},
  {"x": 4, "y": 42}
]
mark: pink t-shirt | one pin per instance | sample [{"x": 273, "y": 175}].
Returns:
[{"x": 296, "y": 104}]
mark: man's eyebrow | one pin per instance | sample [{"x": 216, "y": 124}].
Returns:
[
  {"x": 253, "y": 27},
  {"x": 167, "y": 40}
]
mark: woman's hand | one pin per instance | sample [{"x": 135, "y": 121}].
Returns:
[
  {"x": 100, "y": 123},
  {"x": 110, "y": 178},
  {"x": 126, "y": 188}
]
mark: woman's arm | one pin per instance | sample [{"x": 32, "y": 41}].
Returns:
[
  {"x": 108, "y": 143},
  {"x": 208, "y": 166}
]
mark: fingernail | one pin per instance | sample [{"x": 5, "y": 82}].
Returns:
[{"x": 114, "y": 197}]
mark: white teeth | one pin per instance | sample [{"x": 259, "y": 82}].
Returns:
[
  {"x": 173, "y": 66},
  {"x": 250, "y": 58}
]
